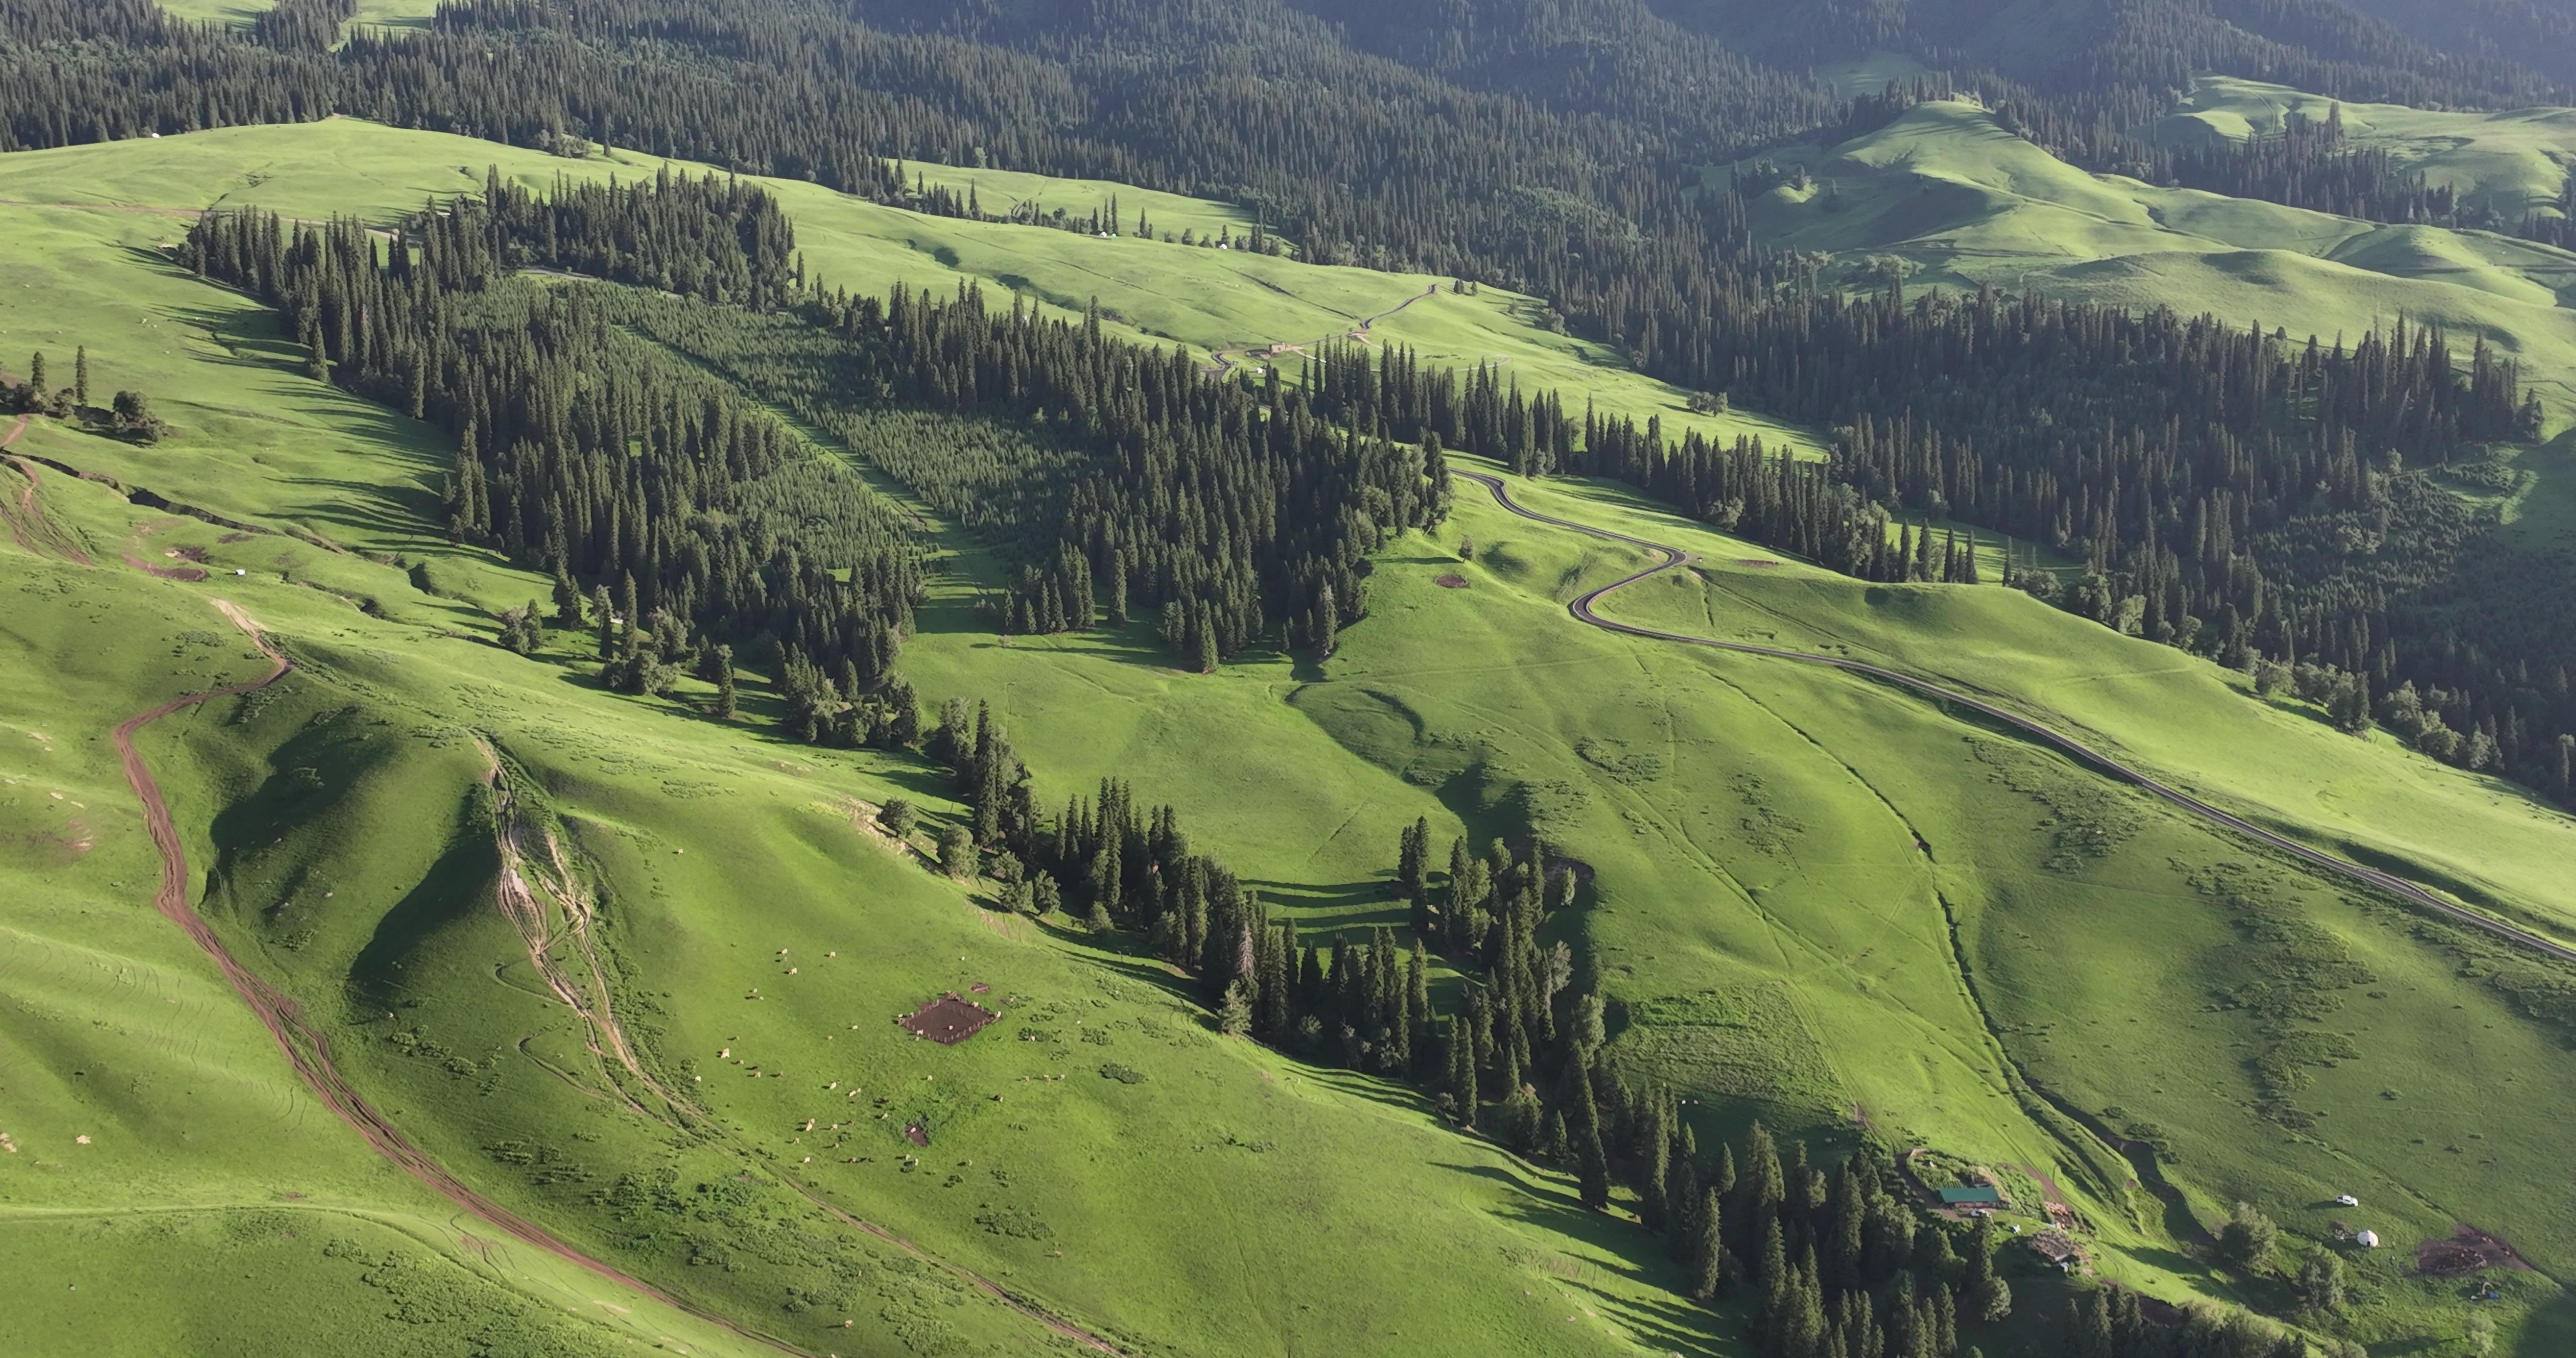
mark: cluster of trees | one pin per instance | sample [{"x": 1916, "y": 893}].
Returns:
[
  {"x": 1107, "y": 860},
  {"x": 2561, "y": 229},
  {"x": 579, "y": 451},
  {"x": 302, "y": 25},
  {"x": 1127, "y": 482},
  {"x": 1237, "y": 522},
  {"x": 715, "y": 240},
  {"x": 2309, "y": 165},
  {"x": 128, "y": 414}
]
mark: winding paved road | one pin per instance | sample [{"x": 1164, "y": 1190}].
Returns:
[{"x": 2407, "y": 891}]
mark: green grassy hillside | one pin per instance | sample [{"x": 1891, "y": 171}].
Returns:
[
  {"x": 1815, "y": 900},
  {"x": 1205, "y": 299},
  {"x": 1965, "y": 203},
  {"x": 2511, "y": 162},
  {"x": 2271, "y": 1036},
  {"x": 338, "y": 823}
]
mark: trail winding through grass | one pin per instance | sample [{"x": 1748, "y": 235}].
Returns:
[{"x": 1582, "y": 608}]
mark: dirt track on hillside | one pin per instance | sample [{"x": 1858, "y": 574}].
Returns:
[
  {"x": 1226, "y": 365},
  {"x": 1582, "y": 609}
]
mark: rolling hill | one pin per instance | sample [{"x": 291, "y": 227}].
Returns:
[{"x": 527, "y": 1015}]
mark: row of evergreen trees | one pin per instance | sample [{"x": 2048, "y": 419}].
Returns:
[
  {"x": 1241, "y": 523},
  {"x": 579, "y": 451},
  {"x": 1130, "y": 484}
]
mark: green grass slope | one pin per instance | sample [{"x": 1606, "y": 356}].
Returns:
[
  {"x": 1816, "y": 901},
  {"x": 2273, "y": 1037},
  {"x": 2511, "y": 162},
  {"x": 1967, "y": 204},
  {"x": 1202, "y": 1197},
  {"x": 1206, "y": 299},
  {"x": 167, "y": 1182},
  {"x": 385, "y": 13}
]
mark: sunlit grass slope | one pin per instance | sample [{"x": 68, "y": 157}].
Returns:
[
  {"x": 1206, "y": 299},
  {"x": 1967, "y": 203},
  {"x": 2509, "y": 161},
  {"x": 2275, "y": 1037},
  {"x": 168, "y": 1184},
  {"x": 1203, "y": 1196},
  {"x": 388, "y": 13},
  {"x": 1816, "y": 900}
]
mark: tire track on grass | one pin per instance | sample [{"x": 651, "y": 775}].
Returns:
[{"x": 1583, "y": 610}]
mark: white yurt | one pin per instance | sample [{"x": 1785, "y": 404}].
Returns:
[{"x": 2368, "y": 1240}]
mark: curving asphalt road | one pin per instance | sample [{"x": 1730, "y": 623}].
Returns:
[{"x": 2399, "y": 887}]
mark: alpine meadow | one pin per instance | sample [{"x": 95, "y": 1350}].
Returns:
[{"x": 1589, "y": 678}]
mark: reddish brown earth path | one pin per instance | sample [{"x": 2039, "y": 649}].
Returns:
[
  {"x": 305, "y": 1047},
  {"x": 28, "y": 525},
  {"x": 27, "y": 502}
]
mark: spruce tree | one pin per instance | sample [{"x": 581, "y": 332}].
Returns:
[
  {"x": 1592, "y": 1165},
  {"x": 1708, "y": 1251},
  {"x": 80, "y": 375},
  {"x": 1772, "y": 1271},
  {"x": 724, "y": 683},
  {"x": 1462, "y": 1070}
]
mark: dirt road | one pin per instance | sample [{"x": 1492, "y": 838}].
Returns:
[
  {"x": 1226, "y": 364},
  {"x": 2390, "y": 883}
]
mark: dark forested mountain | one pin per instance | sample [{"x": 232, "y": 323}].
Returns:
[{"x": 2540, "y": 34}]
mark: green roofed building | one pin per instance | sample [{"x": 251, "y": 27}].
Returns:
[{"x": 1971, "y": 1197}]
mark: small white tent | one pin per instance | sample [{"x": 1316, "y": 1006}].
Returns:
[{"x": 2368, "y": 1240}]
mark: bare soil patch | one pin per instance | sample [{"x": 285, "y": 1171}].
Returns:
[
  {"x": 1756, "y": 564},
  {"x": 1452, "y": 582},
  {"x": 2469, "y": 1250},
  {"x": 188, "y": 573},
  {"x": 948, "y": 1020}
]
